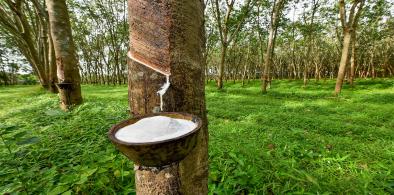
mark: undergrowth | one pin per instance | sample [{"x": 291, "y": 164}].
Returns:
[{"x": 292, "y": 140}]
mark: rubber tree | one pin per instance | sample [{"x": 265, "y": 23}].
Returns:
[
  {"x": 66, "y": 56},
  {"x": 101, "y": 41},
  {"x": 26, "y": 24},
  {"x": 353, "y": 58},
  {"x": 349, "y": 23},
  {"x": 227, "y": 30},
  {"x": 275, "y": 17},
  {"x": 310, "y": 39},
  {"x": 174, "y": 31}
]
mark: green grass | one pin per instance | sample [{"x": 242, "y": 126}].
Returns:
[{"x": 291, "y": 140}]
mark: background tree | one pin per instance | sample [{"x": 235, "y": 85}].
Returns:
[
  {"x": 26, "y": 23},
  {"x": 66, "y": 56},
  {"x": 349, "y": 24},
  {"x": 310, "y": 31},
  {"x": 302, "y": 50},
  {"x": 373, "y": 59},
  {"x": 277, "y": 7},
  {"x": 229, "y": 22},
  {"x": 101, "y": 36}
]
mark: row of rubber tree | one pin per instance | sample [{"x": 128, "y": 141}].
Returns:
[
  {"x": 317, "y": 38},
  {"x": 306, "y": 41},
  {"x": 271, "y": 39},
  {"x": 100, "y": 34}
]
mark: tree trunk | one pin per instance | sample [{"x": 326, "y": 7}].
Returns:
[
  {"x": 245, "y": 67},
  {"x": 349, "y": 25},
  {"x": 186, "y": 41},
  {"x": 221, "y": 66},
  {"x": 151, "y": 180},
  {"x": 305, "y": 74},
  {"x": 271, "y": 43},
  {"x": 268, "y": 60},
  {"x": 267, "y": 64},
  {"x": 342, "y": 65},
  {"x": 66, "y": 56},
  {"x": 52, "y": 76},
  {"x": 310, "y": 43},
  {"x": 317, "y": 72},
  {"x": 352, "y": 59},
  {"x": 372, "y": 64}
]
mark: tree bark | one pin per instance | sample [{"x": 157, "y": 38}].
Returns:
[
  {"x": 276, "y": 11},
  {"x": 163, "y": 180},
  {"x": 245, "y": 67},
  {"x": 309, "y": 62},
  {"x": 52, "y": 75},
  {"x": 305, "y": 74},
  {"x": 221, "y": 66},
  {"x": 186, "y": 37},
  {"x": 66, "y": 56},
  {"x": 349, "y": 26},
  {"x": 342, "y": 64},
  {"x": 353, "y": 59}
]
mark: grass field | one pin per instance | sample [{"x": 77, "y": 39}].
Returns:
[{"x": 291, "y": 140}]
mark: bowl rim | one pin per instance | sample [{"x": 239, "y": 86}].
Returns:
[{"x": 111, "y": 133}]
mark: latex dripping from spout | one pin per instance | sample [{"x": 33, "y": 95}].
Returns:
[
  {"x": 163, "y": 90},
  {"x": 164, "y": 87}
]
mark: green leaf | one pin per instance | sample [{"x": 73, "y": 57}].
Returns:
[
  {"x": 7, "y": 129},
  {"x": 107, "y": 158},
  {"x": 85, "y": 176},
  {"x": 233, "y": 155},
  {"x": 102, "y": 170},
  {"x": 69, "y": 179},
  {"x": 241, "y": 162},
  {"x": 89, "y": 172},
  {"x": 19, "y": 135},
  {"x": 311, "y": 179},
  {"x": 31, "y": 140},
  {"x": 3, "y": 174},
  {"x": 125, "y": 173},
  {"x": 12, "y": 187},
  {"x": 214, "y": 176},
  {"x": 82, "y": 180},
  {"x": 104, "y": 179},
  {"x": 58, "y": 190},
  {"x": 67, "y": 193}
]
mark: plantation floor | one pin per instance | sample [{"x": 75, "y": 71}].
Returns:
[{"x": 291, "y": 140}]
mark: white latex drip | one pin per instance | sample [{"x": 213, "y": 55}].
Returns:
[
  {"x": 157, "y": 128},
  {"x": 163, "y": 90}
]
